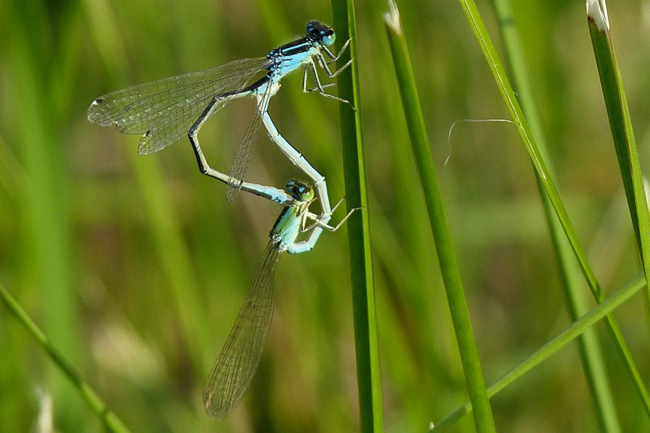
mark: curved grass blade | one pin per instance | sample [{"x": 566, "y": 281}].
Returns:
[
  {"x": 620, "y": 124},
  {"x": 483, "y": 418},
  {"x": 512, "y": 104},
  {"x": 171, "y": 249},
  {"x": 555, "y": 344},
  {"x": 107, "y": 417},
  {"x": 237, "y": 362},
  {"x": 588, "y": 344}
]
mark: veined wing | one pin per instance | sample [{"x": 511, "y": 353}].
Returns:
[
  {"x": 164, "y": 110},
  {"x": 242, "y": 160},
  {"x": 236, "y": 364}
]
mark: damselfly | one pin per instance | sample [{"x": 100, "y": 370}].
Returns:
[
  {"x": 163, "y": 111},
  {"x": 236, "y": 364}
]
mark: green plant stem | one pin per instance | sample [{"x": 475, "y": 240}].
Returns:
[
  {"x": 501, "y": 79},
  {"x": 620, "y": 124},
  {"x": 108, "y": 418},
  {"x": 590, "y": 353},
  {"x": 171, "y": 249},
  {"x": 47, "y": 241},
  {"x": 483, "y": 417},
  {"x": 363, "y": 291},
  {"x": 556, "y": 343}
]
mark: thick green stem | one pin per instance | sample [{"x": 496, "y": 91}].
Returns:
[{"x": 363, "y": 290}]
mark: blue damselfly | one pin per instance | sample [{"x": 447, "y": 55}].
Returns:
[
  {"x": 164, "y": 111},
  {"x": 236, "y": 364}
]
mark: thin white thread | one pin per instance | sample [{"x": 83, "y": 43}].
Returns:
[{"x": 453, "y": 125}]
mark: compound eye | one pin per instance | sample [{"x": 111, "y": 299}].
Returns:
[
  {"x": 329, "y": 39},
  {"x": 307, "y": 193},
  {"x": 311, "y": 26},
  {"x": 291, "y": 188}
]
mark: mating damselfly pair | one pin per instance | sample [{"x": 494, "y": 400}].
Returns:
[{"x": 163, "y": 111}]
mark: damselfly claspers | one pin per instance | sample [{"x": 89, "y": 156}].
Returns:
[
  {"x": 236, "y": 364},
  {"x": 163, "y": 111}
]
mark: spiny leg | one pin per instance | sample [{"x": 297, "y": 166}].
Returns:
[
  {"x": 316, "y": 230},
  {"x": 319, "y": 223},
  {"x": 332, "y": 56},
  {"x": 304, "y": 82},
  {"x": 323, "y": 64},
  {"x": 320, "y": 88}
]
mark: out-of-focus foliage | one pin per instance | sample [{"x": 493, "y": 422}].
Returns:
[{"x": 136, "y": 266}]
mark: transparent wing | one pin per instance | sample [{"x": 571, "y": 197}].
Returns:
[
  {"x": 236, "y": 364},
  {"x": 242, "y": 159},
  {"x": 164, "y": 110}
]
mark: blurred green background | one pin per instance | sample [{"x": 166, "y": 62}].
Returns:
[{"x": 136, "y": 266}]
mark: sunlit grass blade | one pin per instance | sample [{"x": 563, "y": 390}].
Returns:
[
  {"x": 621, "y": 126},
  {"x": 363, "y": 290},
  {"x": 590, "y": 352},
  {"x": 48, "y": 247},
  {"x": 108, "y": 418},
  {"x": 483, "y": 417},
  {"x": 172, "y": 251},
  {"x": 555, "y": 344},
  {"x": 512, "y": 104}
]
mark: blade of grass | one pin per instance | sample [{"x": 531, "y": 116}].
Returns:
[
  {"x": 363, "y": 291},
  {"x": 501, "y": 79},
  {"x": 48, "y": 245},
  {"x": 555, "y": 344},
  {"x": 621, "y": 127},
  {"x": 590, "y": 353},
  {"x": 476, "y": 388},
  {"x": 108, "y": 418},
  {"x": 172, "y": 250}
]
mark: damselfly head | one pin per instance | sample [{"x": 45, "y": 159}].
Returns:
[
  {"x": 321, "y": 33},
  {"x": 300, "y": 191}
]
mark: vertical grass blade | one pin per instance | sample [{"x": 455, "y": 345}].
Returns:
[
  {"x": 512, "y": 104},
  {"x": 483, "y": 417},
  {"x": 48, "y": 247},
  {"x": 590, "y": 353},
  {"x": 108, "y": 418},
  {"x": 555, "y": 344},
  {"x": 363, "y": 290},
  {"x": 171, "y": 248},
  {"x": 621, "y": 126}
]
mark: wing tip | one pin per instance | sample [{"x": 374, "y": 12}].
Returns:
[
  {"x": 144, "y": 147},
  {"x": 95, "y": 112},
  {"x": 216, "y": 408}
]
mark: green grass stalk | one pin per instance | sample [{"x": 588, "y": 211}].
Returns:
[
  {"x": 363, "y": 290},
  {"x": 47, "y": 247},
  {"x": 172, "y": 251},
  {"x": 483, "y": 417},
  {"x": 621, "y": 126},
  {"x": 512, "y": 104},
  {"x": 555, "y": 344},
  {"x": 108, "y": 418},
  {"x": 590, "y": 353}
]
